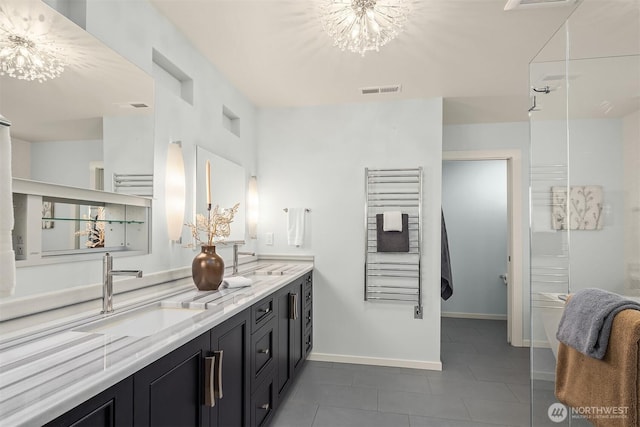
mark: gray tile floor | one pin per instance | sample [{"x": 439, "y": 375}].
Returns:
[{"x": 484, "y": 382}]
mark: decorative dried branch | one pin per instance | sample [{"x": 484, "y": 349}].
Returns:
[
  {"x": 216, "y": 227},
  {"x": 94, "y": 230}
]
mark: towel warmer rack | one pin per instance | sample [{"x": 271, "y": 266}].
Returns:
[
  {"x": 393, "y": 276},
  {"x": 133, "y": 184}
]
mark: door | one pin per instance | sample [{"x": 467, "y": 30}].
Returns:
[
  {"x": 230, "y": 344},
  {"x": 169, "y": 392},
  {"x": 113, "y": 407}
]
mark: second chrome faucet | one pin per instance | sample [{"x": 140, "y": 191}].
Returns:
[{"x": 107, "y": 281}]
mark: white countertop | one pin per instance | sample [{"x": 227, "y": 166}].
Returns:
[{"x": 49, "y": 371}]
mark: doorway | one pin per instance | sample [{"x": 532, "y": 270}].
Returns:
[{"x": 514, "y": 249}]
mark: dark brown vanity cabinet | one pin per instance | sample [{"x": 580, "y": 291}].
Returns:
[
  {"x": 230, "y": 343},
  {"x": 231, "y": 376},
  {"x": 170, "y": 391},
  {"x": 111, "y": 408},
  {"x": 293, "y": 324}
]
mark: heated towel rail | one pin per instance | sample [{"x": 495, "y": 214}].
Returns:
[{"x": 393, "y": 276}]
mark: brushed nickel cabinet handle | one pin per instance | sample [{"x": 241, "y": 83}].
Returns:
[
  {"x": 218, "y": 374},
  {"x": 293, "y": 306},
  {"x": 264, "y": 310},
  {"x": 209, "y": 369},
  {"x": 265, "y": 351},
  {"x": 265, "y": 406}
]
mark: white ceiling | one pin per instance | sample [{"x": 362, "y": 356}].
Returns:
[
  {"x": 471, "y": 52},
  {"x": 96, "y": 81}
]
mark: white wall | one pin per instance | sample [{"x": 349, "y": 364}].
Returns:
[
  {"x": 20, "y": 158},
  {"x": 141, "y": 28},
  {"x": 315, "y": 158},
  {"x": 596, "y": 158},
  {"x": 631, "y": 153},
  {"x": 474, "y": 202},
  {"x": 64, "y": 162}
]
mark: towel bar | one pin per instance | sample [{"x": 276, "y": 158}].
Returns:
[{"x": 393, "y": 276}]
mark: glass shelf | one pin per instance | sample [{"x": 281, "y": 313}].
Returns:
[{"x": 110, "y": 221}]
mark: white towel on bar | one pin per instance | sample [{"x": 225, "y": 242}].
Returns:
[
  {"x": 7, "y": 256},
  {"x": 392, "y": 221},
  {"x": 7, "y": 273},
  {"x": 237, "y": 282},
  {"x": 295, "y": 226}
]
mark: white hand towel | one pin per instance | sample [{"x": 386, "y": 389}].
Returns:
[
  {"x": 295, "y": 226},
  {"x": 6, "y": 193},
  {"x": 7, "y": 256},
  {"x": 237, "y": 282},
  {"x": 7, "y": 273},
  {"x": 392, "y": 221}
]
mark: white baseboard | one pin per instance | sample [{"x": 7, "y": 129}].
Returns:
[
  {"x": 376, "y": 361},
  {"x": 474, "y": 315},
  {"x": 544, "y": 376},
  {"x": 537, "y": 343}
]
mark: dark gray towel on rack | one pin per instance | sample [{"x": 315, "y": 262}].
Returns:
[
  {"x": 587, "y": 319},
  {"x": 393, "y": 241},
  {"x": 446, "y": 280}
]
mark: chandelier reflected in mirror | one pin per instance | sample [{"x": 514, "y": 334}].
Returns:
[
  {"x": 28, "y": 58},
  {"x": 363, "y": 25}
]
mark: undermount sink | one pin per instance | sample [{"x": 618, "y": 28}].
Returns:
[{"x": 142, "y": 322}]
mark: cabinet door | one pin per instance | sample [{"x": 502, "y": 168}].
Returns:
[
  {"x": 290, "y": 348},
  {"x": 297, "y": 327},
  {"x": 230, "y": 342},
  {"x": 113, "y": 407},
  {"x": 283, "y": 356},
  {"x": 170, "y": 391}
]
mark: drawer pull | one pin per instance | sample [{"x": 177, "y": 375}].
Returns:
[
  {"x": 265, "y": 351},
  {"x": 293, "y": 306},
  {"x": 209, "y": 369},
  {"x": 217, "y": 392},
  {"x": 264, "y": 310},
  {"x": 265, "y": 406}
]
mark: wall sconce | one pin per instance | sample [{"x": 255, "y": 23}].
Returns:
[
  {"x": 175, "y": 190},
  {"x": 253, "y": 207}
]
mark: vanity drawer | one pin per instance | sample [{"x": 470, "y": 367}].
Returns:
[
  {"x": 262, "y": 352},
  {"x": 308, "y": 290},
  {"x": 261, "y": 313},
  {"x": 308, "y": 317},
  {"x": 262, "y": 403},
  {"x": 308, "y": 341}
]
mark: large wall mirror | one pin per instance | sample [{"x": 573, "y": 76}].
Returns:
[
  {"x": 94, "y": 120},
  {"x": 71, "y": 129},
  {"x": 227, "y": 188}
]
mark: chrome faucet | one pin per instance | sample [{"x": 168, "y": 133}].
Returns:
[
  {"x": 235, "y": 257},
  {"x": 107, "y": 281}
]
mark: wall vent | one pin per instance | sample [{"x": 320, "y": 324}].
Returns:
[
  {"x": 530, "y": 4},
  {"x": 381, "y": 89}
]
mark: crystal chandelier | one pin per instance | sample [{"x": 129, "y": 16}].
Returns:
[
  {"x": 28, "y": 57},
  {"x": 363, "y": 25}
]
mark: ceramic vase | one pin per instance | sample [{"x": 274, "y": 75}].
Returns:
[{"x": 207, "y": 269}]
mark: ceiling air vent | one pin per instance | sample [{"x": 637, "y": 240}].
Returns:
[
  {"x": 530, "y": 4},
  {"x": 381, "y": 89}
]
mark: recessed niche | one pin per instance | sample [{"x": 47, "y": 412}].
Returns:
[
  {"x": 172, "y": 77},
  {"x": 230, "y": 121}
]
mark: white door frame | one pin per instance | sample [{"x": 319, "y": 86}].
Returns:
[{"x": 515, "y": 243}]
